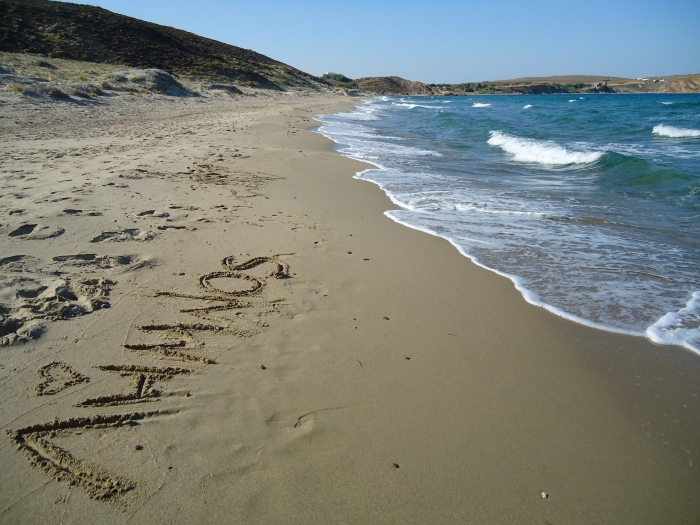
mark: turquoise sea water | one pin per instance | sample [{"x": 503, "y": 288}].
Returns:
[{"x": 590, "y": 204}]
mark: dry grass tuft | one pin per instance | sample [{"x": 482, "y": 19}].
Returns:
[{"x": 15, "y": 88}]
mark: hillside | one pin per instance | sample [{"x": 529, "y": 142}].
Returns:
[
  {"x": 393, "y": 86},
  {"x": 564, "y": 79},
  {"x": 670, "y": 84},
  {"x": 379, "y": 85},
  {"x": 92, "y": 34}
]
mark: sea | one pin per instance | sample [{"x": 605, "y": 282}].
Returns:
[{"x": 588, "y": 203}]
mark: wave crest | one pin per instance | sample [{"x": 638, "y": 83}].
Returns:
[
  {"x": 412, "y": 106},
  {"x": 480, "y": 105},
  {"x": 671, "y": 131},
  {"x": 540, "y": 151}
]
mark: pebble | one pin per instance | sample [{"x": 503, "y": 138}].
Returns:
[{"x": 545, "y": 495}]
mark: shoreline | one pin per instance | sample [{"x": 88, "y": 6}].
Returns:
[
  {"x": 652, "y": 331},
  {"x": 401, "y": 383}
]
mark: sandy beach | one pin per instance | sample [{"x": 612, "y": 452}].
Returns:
[{"x": 208, "y": 320}]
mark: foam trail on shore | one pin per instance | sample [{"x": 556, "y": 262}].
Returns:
[
  {"x": 529, "y": 296},
  {"x": 679, "y": 328},
  {"x": 674, "y": 328},
  {"x": 585, "y": 227}
]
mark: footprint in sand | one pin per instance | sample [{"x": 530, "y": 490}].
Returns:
[
  {"x": 19, "y": 263},
  {"x": 37, "y": 231},
  {"x": 104, "y": 262},
  {"x": 131, "y": 234},
  {"x": 153, "y": 214},
  {"x": 184, "y": 208},
  {"x": 174, "y": 227},
  {"x": 27, "y": 302},
  {"x": 83, "y": 213}
]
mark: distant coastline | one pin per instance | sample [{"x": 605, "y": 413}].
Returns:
[{"x": 572, "y": 84}]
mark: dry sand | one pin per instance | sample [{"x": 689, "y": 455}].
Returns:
[{"x": 211, "y": 321}]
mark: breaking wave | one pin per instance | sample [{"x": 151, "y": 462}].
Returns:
[
  {"x": 541, "y": 152},
  {"x": 671, "y": 131}
]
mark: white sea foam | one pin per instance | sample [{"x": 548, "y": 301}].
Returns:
[
  {"x": 412, "y": 106},
  {"x": 679, "y": 328},
  {"x": 495, "y": 224},
  {"x": 669, "y": 150},
  {"x": 571, "y": 267},
  {"x": 671, "y": 131},
  {"x": 666, "y": 103},
  {"x": 367, "y": 112},
  {"x": 539, "y": 151},
  {"x": 355, "y": 144},
  {"x": 480, "y": 105},
  {"x": 527, "y": 107},
  {"x": 572, "y": 100},
  {"x": 520, "y": 284}
]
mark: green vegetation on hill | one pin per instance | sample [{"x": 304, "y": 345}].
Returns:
[
  {"x": 338, "y": 77},
  {"x": 339, "y": 80},
  {"x": 86, "y": 33}
]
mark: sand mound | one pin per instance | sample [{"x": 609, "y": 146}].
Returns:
[{"x": 154, "y": 81}]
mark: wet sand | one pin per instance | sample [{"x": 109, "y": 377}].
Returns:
[{"x": 229, "y": 330}]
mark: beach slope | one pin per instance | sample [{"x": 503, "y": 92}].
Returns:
[{"x": 207, "y": 319}]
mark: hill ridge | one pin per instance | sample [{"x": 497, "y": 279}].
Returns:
[{"x": 93, "y": 34}]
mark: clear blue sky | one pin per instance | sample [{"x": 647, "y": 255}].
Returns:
[{"x": 446, "y": 40}]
